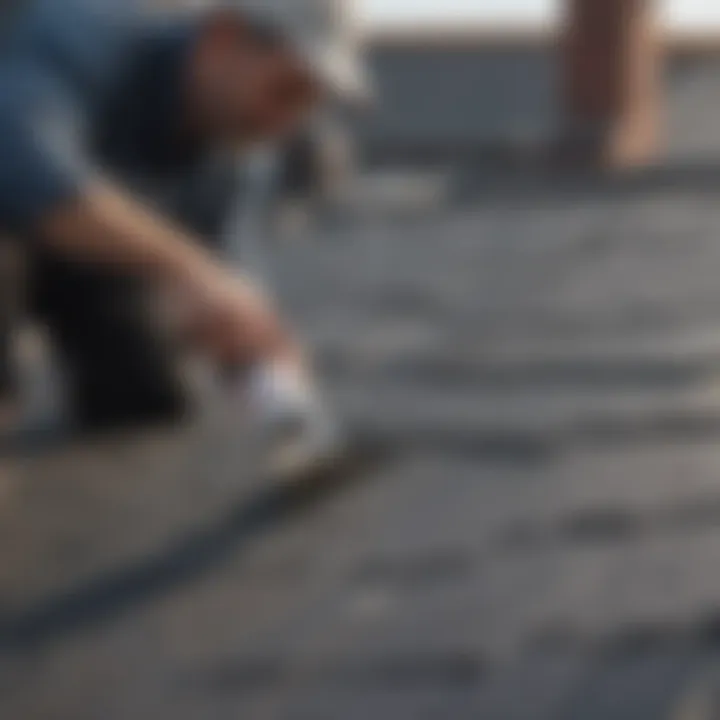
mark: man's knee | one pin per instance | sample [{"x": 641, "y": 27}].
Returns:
[{"x": 121, "y": 367}]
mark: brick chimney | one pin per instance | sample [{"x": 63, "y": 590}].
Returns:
[{"x": 611, "y": 57}]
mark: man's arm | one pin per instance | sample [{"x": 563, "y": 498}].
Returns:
[
  {"x": 49, "y": 191},
  {"x": 104, "y": 226}
]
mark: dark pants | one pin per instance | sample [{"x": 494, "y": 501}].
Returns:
[{"x": 122, "y": 370}]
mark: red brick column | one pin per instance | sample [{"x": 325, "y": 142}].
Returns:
[{"x": 611, "y": 53}]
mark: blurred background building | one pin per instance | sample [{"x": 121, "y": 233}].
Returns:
[{"x": 450, "y": 90}]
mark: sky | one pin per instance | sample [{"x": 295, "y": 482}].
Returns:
[{"x": 686, "y": 14}]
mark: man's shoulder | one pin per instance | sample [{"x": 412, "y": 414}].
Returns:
[{"x": 82, "y": 41}]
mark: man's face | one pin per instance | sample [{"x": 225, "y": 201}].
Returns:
[{"x": 263, "y": 93}]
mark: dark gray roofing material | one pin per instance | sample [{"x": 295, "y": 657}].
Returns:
[{"x": 543, "y": 544}]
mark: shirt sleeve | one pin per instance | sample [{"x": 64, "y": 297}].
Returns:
[{"x": 42, "y": 162}]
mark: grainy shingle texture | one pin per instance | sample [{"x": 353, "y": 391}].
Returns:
[{"x": 542, "y": 544}]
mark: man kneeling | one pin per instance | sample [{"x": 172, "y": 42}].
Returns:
[{"x": 110, "y": 127}]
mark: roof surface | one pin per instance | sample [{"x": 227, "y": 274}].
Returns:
[{"x": 542, "y": 542}]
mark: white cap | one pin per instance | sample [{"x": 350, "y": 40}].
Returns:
[{"x": 312, "y": 29}]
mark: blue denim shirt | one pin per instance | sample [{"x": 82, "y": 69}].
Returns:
[{"x": 87, "y": 87}]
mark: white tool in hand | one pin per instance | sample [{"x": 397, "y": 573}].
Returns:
[{"x": 294, "y": 424}]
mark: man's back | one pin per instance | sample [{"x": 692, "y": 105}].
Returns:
[
  {"x": 87, "y": 86},
  {"x": 78, "y": 41}
]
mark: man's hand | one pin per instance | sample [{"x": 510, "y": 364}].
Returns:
[
  {"x": 230, "y": 318},
  {"x": 235, "y": 321}
]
